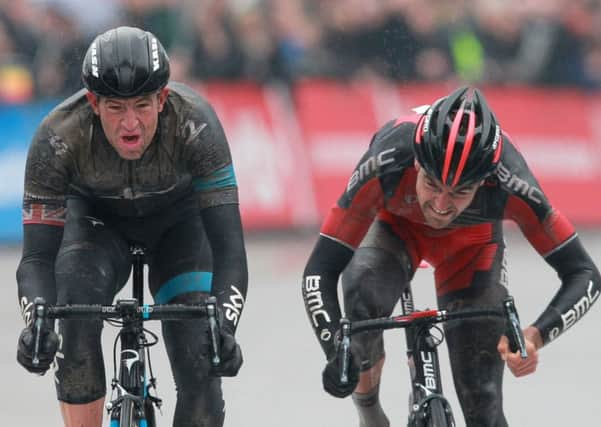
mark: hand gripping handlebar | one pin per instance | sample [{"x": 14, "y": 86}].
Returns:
[
  {"x": 429, "y": 317},
  {"x": 128, "y": 307}
]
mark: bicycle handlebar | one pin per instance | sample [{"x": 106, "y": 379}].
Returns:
[
  {"x": 129, "y": 308},
  {"x": 430, "y": 317}
]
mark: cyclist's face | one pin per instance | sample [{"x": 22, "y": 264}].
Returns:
[
  {"x": 129, "y": 123},
  {"x": 440, "y": 203}
]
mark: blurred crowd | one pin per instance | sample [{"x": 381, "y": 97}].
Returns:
[{"x": 536, "y": 42}]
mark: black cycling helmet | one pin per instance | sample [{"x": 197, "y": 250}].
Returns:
[
  {"x": 125, "y": 62},
  {"x": 458, "y": 139}
]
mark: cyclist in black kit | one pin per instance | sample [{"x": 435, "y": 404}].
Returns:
[
  {"x": 435, "y": 186},
  {"x": 132, "y": 159}
]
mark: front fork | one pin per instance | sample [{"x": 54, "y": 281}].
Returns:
[
  {"x": 422, "y": 354},
  {"x": 132, "y": 382},
  {"x": 423, "y": 361}
]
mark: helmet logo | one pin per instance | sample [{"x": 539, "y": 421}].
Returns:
[
  {"x": 495, "y": 141},
  {"x": 155, "y": 54},
  {"x": 426, "y": 125},
  {"x": 94, "y": 60}
]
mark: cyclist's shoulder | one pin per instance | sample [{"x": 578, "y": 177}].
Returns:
[
  {"x": 189, "y": 115},
  {"x": 513, "y": 166},
  {"x": 72, "y": 107},
  {"x": 187, "y": 101},
  {"x": 398, "y": 131},
  {"x": 67, "y": 123},
  {"x": 392, "y": 144}
]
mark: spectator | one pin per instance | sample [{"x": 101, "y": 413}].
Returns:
[
  {"x": 16, "y": 80},
  {"x": 544, "y": 42},
  {"x": 298, "y": 32},
  {"x": 57, "y": 64},
  {"x": 210, "y": 48},
  {"x": 259, "y": 50}
]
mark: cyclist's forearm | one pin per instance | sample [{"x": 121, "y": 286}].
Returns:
[
  {"x": 230, "y": 284},
  {"x": 230, "y": 271},
  {"x": 35, "y": 274},
  {"x": 319, "y": 289},
  {"x": 580, "y": 289}
]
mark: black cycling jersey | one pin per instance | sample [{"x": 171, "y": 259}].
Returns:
[
  {"x": 71, "y": 155},
  {"x": 189, "y": 156}
]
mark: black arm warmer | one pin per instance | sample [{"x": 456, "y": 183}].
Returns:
[
  {"x": 35, "y": 274},
  {"x": 230, "y": 272},
  {"x": 580, "y": 288},
  {"x": 319, "y": 288}
]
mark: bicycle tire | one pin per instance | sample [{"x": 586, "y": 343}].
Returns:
[
  {"x": 437, "y": 416},
  {"x": 126, "y": 417},
  {"x": 149, "y": 413}
]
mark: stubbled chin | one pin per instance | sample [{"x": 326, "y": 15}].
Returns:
[
  {"x": 436, "y": 222},
  {"x": 130, "y": 153},
  {"x": 130, "y": 156}
]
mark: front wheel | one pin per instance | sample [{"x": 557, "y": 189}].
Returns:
[
  {"x": 127, "y": 418},
  {"x": 149, "y": 413},
  {"x": 437, "y": 415}
]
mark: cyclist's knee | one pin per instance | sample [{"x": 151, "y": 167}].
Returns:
[
  {"x": 80, "y": 380},
  {"x": 199, "y": 402},
  {"x": 371, "y": 373},
  {"x": 372, "y": 283},
  {"x": 368, "y": 348},
  {"x": 483, "y": 406}
]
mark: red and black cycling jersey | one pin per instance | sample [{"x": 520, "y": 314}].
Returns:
[
  {"x": 382, "y": 187},
  {"x": 384, "y": 184}
]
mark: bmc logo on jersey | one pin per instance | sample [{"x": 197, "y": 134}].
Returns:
[
  {"x": 518, "y": 185},
  {"x": 578, "y": 310},
  {"x": 369, "y": 166},
  {"x": 314, "y": 304}
]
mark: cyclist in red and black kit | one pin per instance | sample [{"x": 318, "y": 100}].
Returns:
[
  {"x": 132, "y": 159},
  {"x": 436, "y": 187}
]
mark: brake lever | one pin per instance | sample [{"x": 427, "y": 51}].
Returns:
[
  {"x": 345, "y": 344},
  {"x": 515, "y": 333},
  {"x": 39, "y": 315},
  {"x": 213, "y": 331}
]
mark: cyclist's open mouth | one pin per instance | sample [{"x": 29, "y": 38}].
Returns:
[
  {"x": 441, "y": 213},
  {"x": 130, "y": 139}
]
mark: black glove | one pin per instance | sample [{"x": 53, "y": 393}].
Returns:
[
  {"x": 47, "y": 349},
  {"x": 331, "y": 375},
  {"x": 230, "y": 354}
]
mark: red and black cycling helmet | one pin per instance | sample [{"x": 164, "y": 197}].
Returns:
[
  {"x": 125, "y": 62},
  {"x": 458, "y": 139}
]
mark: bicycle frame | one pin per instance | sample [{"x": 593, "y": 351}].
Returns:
[
  {"x": 428, "y": 406},
  {"x": 424, "y": 367},
  {"x": 132, "y": 385},
  {"x": 133, "y": 405}
]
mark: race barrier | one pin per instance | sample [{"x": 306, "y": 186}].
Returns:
[{"x": 294, "y": 149}]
